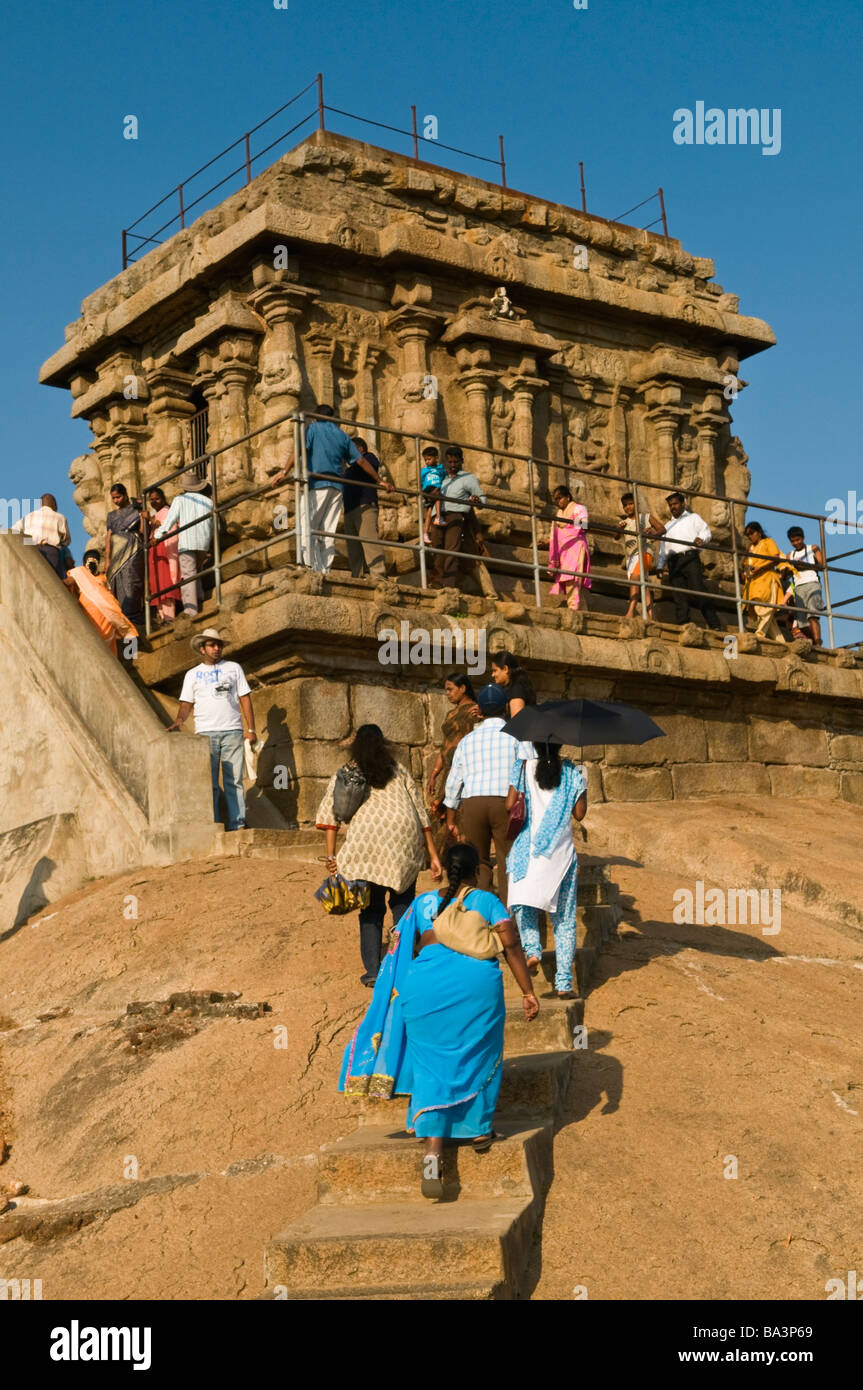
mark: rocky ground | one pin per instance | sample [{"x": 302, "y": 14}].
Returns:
[{"x": 163, "y": 1145}]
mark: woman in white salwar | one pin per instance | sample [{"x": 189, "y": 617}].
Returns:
[{"x": 542, "y": 864}]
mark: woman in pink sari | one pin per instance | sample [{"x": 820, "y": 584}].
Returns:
[
  {"x": 568, "y": 555},
  {"x": 164, "y": 561}
]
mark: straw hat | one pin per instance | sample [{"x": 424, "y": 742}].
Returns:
[{"x": 209, "y": 634}]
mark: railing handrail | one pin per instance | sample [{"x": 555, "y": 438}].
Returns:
[
  {"x": 536, "y": 511},
  {"x": 320, "y": 110}
]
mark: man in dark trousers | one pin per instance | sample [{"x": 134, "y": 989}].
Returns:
[
  {"x": 683, "y": 537},
  {"x": 478, "y": 782}
]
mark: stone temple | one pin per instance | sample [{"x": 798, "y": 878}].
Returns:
[{"x": 347, "y": 274}]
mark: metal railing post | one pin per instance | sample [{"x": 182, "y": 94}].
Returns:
[
  {"x": 125, "y": 254},
  {"x": 321, "y": 124},
  {"x": 415, "y": 135},
  {"x": 217, "y": 545},
  {"x": 662, "y": 210},
  {"x": 145, "y": 527},
  {"x": 822, "y": 536},
  {"x": 502, "y": 164},
  {"x": 642, "y": 580},
  {"x": 741, "y": 626},
  {"x": 308, "y": 542},
  {"x": 422, "y": 540},
  {"x": 298, "y": 448},
  {"x": 583, "y": 193},
  {"x": 182, "y": 209},
  {"x": 248, "y": 160},
  {"x": 537, "y": 590}
]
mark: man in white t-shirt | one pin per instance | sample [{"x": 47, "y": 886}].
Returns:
[{"x": 219, "y": 693}]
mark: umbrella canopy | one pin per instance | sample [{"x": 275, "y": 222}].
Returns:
[{"x": 582, "y": 722}]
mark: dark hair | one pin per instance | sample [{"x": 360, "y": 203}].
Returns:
[
  {"x": 794, "y": 531},
  {"x": 360, "y": 443},
  {"x": 676, "y": 494},
  {"x": 627, "y": 497},
  {"x": 755, "y": 526},
  {"x": 463, "y": 683},
  {"x": 560, "y": 489},
  {"x": 119, "y": 487},
  {"x": 322, "y": 409},
  {"x": 205, "y": 490},
  {"x": 460, "y": 863},
  {"x": 455, "y": 452},
  {"x": 516, "y": 672},
  {"x": 370, "y": 753},
  {"x": 548, "y": 768},
  {"x": 431, "y": 449},
  {"x": 94, "y": 553},
  {"x": 157, "y": 492},
  {"x": 49, "y": 500}
]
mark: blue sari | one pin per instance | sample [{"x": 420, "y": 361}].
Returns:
[{"x": 433, "y": 1030}]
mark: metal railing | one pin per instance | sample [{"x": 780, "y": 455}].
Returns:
[
  {"x": 531, "y": 516},
  {"x": 142, "y": 241}
]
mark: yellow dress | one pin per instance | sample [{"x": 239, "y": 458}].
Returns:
[{"x": 763, "y": 584}]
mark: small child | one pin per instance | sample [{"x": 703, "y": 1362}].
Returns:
[{"x": 432, "y": 475}]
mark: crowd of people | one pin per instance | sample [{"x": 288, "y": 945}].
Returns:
[
  {"x": 781, "y": 592},
  {"x": 433, "y": 1030}
]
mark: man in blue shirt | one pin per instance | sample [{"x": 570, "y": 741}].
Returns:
[
  {"x": 361, "y": 516},
  {"x": 328, "y": 450}
]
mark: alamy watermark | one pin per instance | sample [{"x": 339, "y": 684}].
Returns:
[
  {"x": 737, "y": 126},
  {"x": 416, "y": 646},
  {"x": 14, "y": 509},
  {"x": 720, "y": 907}
]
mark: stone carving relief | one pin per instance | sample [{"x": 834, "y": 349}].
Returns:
[
  {"x": 88, "y": 495},
  {"x": 502, "y": 419},
  {"x": 280, "y": 375},
  {"x": 501, "y": 305},
  {"x": 688, "y": 471},
  {"x": 347, "y": 403},
  {"x": 502, "y": 257}
]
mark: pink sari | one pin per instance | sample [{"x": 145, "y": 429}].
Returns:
[{"x": 568, "y": 553}]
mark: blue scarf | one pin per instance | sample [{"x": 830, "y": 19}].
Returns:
[{"x": 557, "y": 813}]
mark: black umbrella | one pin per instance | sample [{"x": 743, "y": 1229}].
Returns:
[{"x": 580, "y": 722}]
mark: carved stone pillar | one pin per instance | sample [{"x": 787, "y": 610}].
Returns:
[
  {"x": 415, "y": 406},
  {"x": 321, "y": 348},
  {"x": 281, "y": 306},
  {"x": 368, "y": 357},
  {"x": 525, "y": 390},
  {"x": 665, "y": 413},
  {"x": 169, "y": 411},
  {"x": 477, "y": 381}
]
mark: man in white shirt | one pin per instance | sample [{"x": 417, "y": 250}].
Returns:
[
  {"x": 683, "y": 537},
  {"x": 478, "y": 782},
  {"x": 808, "y": 563},
  {"x": 219, "y": 693},
  {"x": 48, "y": 530},
  {"x": 192, "y": 512}
]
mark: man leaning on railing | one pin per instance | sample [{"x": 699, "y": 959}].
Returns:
[
  {"x": 684, "y": 535},
  {"x": 328, "y": 450}
]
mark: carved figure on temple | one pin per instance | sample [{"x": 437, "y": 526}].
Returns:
[
  {"x": 502, "y": 421},
  {"x": 501, "y": 305},
  {"x": 348, "y": 404},
  {"x": 688, "y": 470},
  {"x": 576, "y": 435},
  {"x": 84, "y": 473},
  {"x": 280, "y": 375}
]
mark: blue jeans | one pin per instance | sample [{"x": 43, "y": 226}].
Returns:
[{"x": 226, "y": 750}]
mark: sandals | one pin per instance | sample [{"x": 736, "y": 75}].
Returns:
[
  {"x": 484, "y": 1142},
  {"x": 432, "y": 1179},
  {"x": 532, "y": 964},
  {"x": 565, "y": 994}
]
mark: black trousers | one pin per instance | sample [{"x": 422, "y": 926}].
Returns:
[
  {"x": 372, "y": 921},
  {"x": 685, "y": 572}
]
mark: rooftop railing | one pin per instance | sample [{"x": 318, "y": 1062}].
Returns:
[
  {"x": 531, "y": 514},
  {"x": 137, "y": 240}
]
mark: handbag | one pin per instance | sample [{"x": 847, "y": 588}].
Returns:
[
  {"x": 518, "y": 810},
  {"x": 338, "y": 896},
  {"x": 349, "y": 792},
  {"x": 466, "y": 931}
]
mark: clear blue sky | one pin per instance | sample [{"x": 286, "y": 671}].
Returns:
[{"x": 562, "y": 84}]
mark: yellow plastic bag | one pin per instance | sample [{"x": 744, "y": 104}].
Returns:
[{"x": 337, "y": 896}]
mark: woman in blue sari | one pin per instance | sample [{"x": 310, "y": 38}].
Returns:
[{"x": 434, "y": 1028}]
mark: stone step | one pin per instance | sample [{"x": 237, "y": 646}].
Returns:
[
  {"x": 550, "y": 1031},
  {"x": 375, "y": 1165},
  {"x": 534, "y": 1084},
  {"x": 399, "y": 1245},
  {"x": 417, "y": 1293}
]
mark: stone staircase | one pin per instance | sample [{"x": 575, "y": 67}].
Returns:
[{"x": 373, "y": 1236}]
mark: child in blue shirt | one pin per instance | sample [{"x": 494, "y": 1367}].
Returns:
[{"x": 432, "y": 475}]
